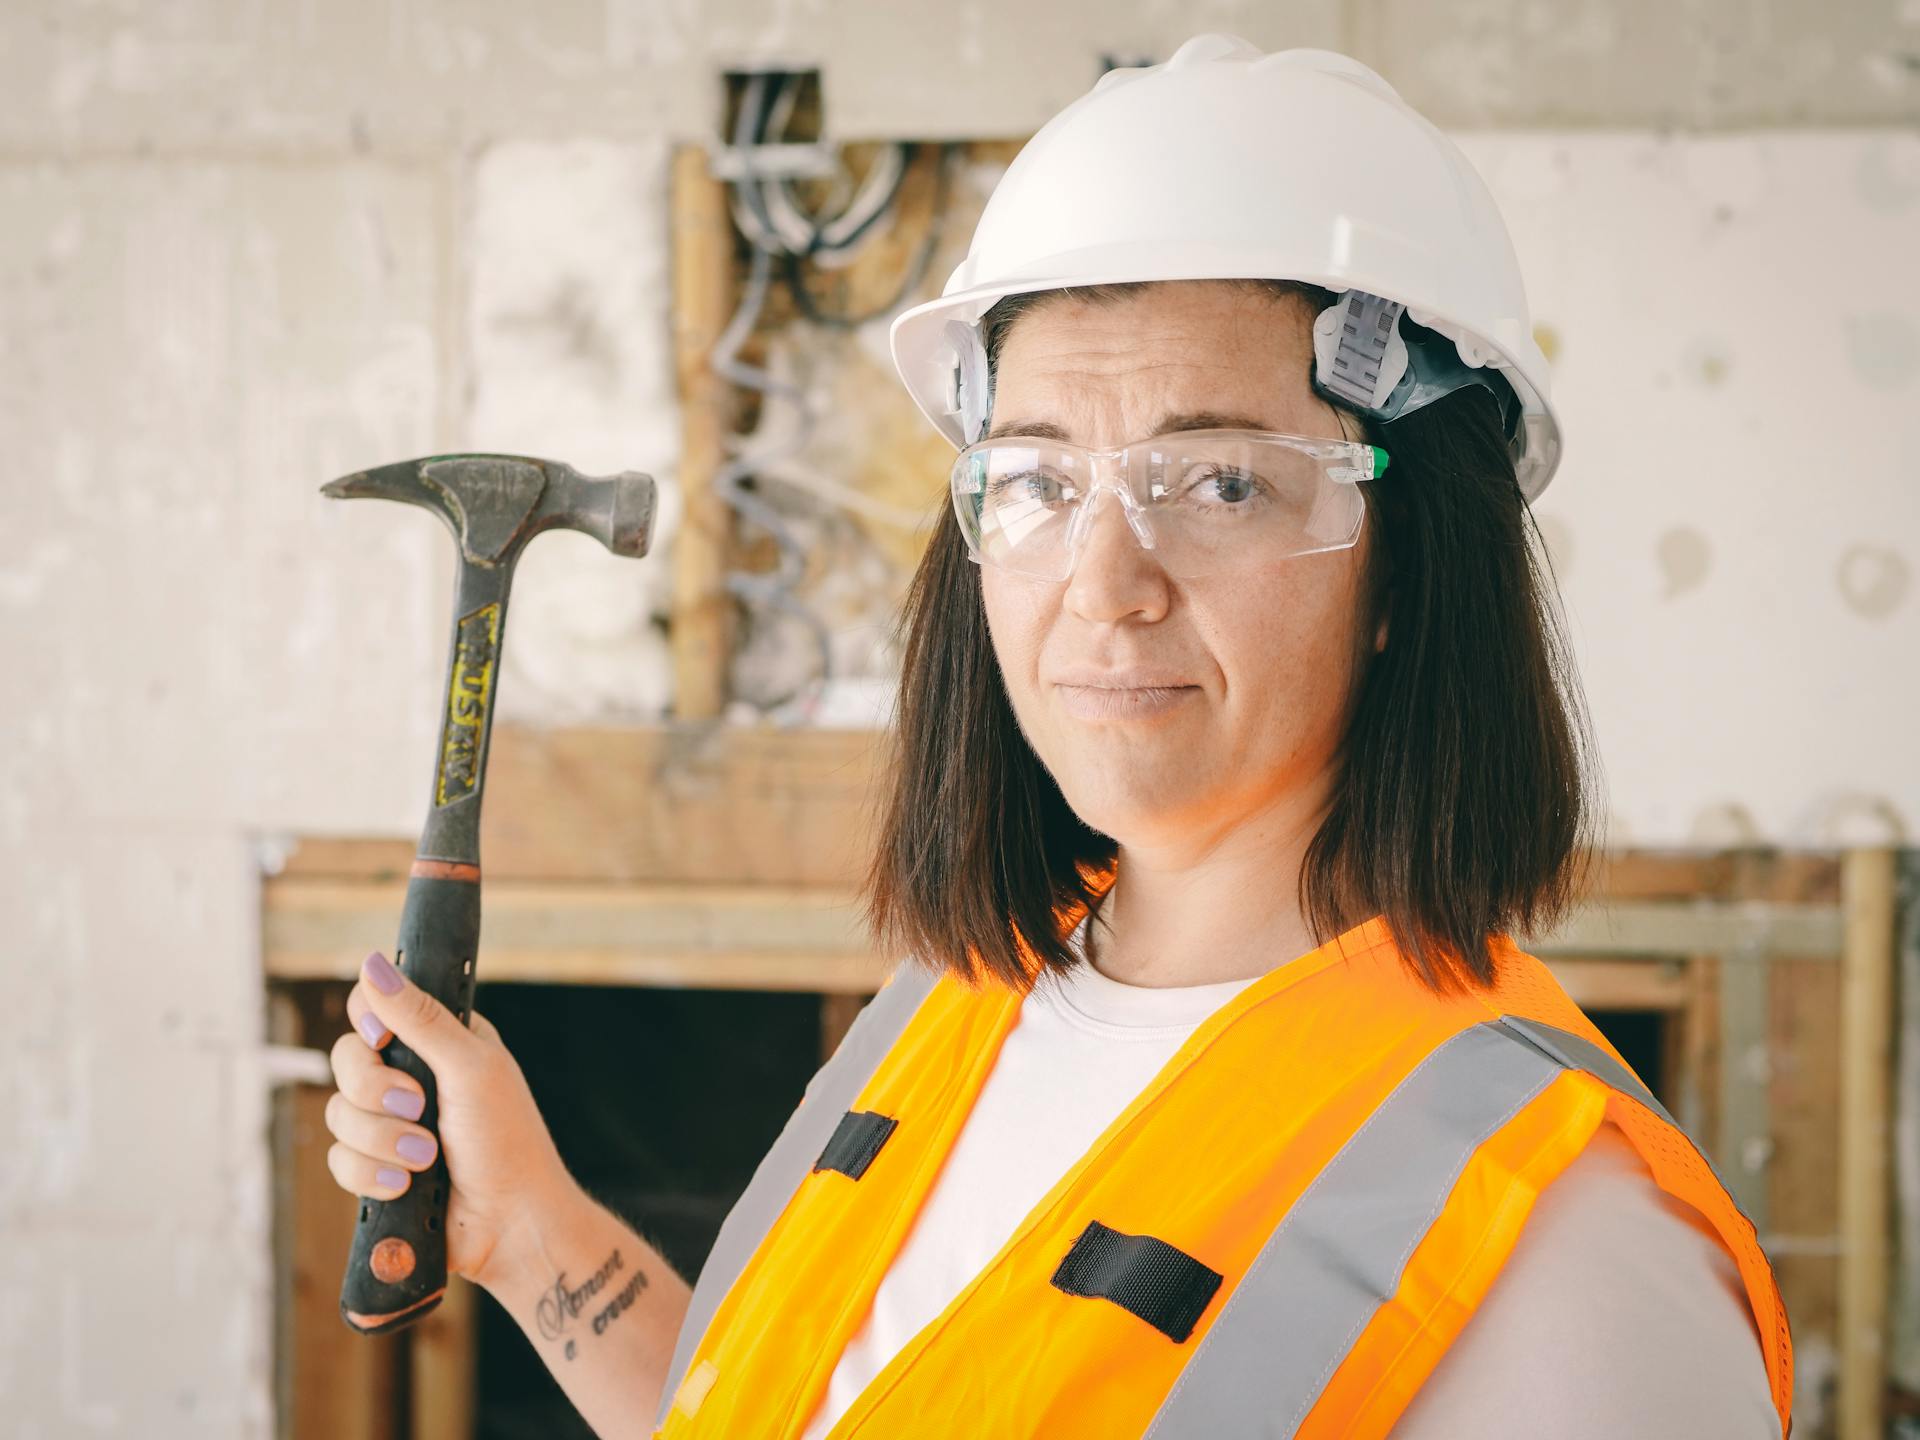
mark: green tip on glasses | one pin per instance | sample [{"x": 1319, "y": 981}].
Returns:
[{"x": 1379, "y": 461}]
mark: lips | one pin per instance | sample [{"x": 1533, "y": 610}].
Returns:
[
  {"x": 1107, "y": 701},
  {"x": 1121, "y": 680}
]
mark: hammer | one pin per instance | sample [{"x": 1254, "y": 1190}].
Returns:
[{"x": 494, "y": 504}]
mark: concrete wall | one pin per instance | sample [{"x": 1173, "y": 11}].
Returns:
[{"x": 245, "y": 248}]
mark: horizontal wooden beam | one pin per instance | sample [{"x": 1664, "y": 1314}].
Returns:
[
  {"x": 709, "y": 936},
  {"x": 1612, "y": 984},
  {"x": 717, "y": 937},
  {"x": 710, "y": 803},
  {"x": 1733, "y": 930}
]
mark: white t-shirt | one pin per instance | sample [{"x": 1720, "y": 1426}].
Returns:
[{"x": 1617, "y": 1313}]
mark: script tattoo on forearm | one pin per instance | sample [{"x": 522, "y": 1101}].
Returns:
[{"x": 566, "y": 1302}]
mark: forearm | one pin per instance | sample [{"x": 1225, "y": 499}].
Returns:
[{"x": 599, "y": 1304}]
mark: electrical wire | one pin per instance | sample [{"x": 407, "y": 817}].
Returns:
[
  {"x": 776, "y": 227},
  {"x": 908, "y": 284}
]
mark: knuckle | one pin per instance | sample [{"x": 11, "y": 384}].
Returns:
[
  {"x": 359, "y": 1173},
  {"x": 346, "y": 1056},
  {"x": 340, "y": 1162}
]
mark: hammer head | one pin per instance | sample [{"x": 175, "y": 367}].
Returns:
[{"x": 496, "y": 503}]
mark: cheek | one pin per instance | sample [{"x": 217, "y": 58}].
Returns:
[
  {"x": 1016, "y": 623},
  {"x": 1285, "y": 647}
]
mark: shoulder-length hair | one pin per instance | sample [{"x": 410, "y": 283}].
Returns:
[{"x": 1463, "y": 804}]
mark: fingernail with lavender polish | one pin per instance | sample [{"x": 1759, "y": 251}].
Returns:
[
  {"x": 371, "y": 1030},
  {"x": 380, "y": 971},
  {"x": 407, "y": 1104},
  {"x": 415, "y": 1149}
]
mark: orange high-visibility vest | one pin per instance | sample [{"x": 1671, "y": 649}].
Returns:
[{"x": 1279, "y": 1236}]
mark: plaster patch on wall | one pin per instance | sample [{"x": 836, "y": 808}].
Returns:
[
  {"x": 572, "y": 361},
  {"x": 1726, "y": 824},
  {"x": 1856, "y": 819},
  {"x": 1873, "y": 580},
  {"x": 566, "y": 326},
  {"x": 1685, "y": 557},
  {"x": 1883, "y": 348}
]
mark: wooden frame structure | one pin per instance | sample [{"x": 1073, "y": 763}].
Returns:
[
  {"x": 687, "y": 855},
  {"x": 730, "y": 859}
]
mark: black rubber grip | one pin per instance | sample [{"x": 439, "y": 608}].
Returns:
[{"x": 397, "y": 1268}]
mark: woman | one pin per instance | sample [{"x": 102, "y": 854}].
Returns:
[{"x": 1235, "y": 735}]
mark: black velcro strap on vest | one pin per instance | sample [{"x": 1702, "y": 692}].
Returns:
[
  {"x": 1165, "y": 1287},
  {"x": 856, "y": 1140}
]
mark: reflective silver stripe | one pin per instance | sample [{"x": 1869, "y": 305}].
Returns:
[
  {"x": 832, "y": 1090},
  {"x": 1577, "y": 1052},
  {"x": 1338, "y": 1254}
]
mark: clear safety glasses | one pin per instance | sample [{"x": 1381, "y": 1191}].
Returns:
[{"x": 1204, "y": 502}]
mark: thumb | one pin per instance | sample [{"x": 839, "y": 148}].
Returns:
[{"x": 426, "y": 1026}]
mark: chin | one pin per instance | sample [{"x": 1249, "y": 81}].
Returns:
[{"x": 1132, "y": 810}]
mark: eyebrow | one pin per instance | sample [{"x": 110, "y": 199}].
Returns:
[{"x": 1169, "y": 425}]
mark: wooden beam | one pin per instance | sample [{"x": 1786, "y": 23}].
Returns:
[
  {"x": 1596, "y": 983},
  {"x": 446, "y": 1343},
  {"x": 1757, "y": 928},
  {"x": 713, "y": 937},
  {"x": 1866, "y": 1065},
  {"x": 743, "y": 805},
  {"x": 703, "y": 299},
  {"x": 334, "y": 1383}
]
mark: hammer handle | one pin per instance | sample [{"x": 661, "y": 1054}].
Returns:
[{"x": 397, "y": 1269}]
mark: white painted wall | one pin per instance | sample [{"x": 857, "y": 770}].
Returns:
[
  {"x": 1736, "y": 522},
  {"x": 247, "y": 248}
]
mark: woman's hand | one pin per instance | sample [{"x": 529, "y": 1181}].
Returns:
[{"x": 501, "y": 1160}]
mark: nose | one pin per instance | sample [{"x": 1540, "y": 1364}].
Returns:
[{"x": 1114, "y": 574}]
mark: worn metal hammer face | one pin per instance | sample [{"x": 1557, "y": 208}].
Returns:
[{"x": 494, "y": 504}]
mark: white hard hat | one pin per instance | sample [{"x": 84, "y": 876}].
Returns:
[{"x": 1229, "y": 163}]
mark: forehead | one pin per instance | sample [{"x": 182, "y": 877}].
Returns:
[{"x": 1201, "y": 351}]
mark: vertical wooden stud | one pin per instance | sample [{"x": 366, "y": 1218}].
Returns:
[
  {"x": 701, "y": 632},
  {"x": 445, "y": 1349},
  {"x": 1866, "y": 1064}
]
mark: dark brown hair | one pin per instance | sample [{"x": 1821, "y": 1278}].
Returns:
[{"x": 1462, "y": 808}]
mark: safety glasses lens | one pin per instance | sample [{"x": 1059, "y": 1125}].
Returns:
[{"x": 1212, "y": 501}]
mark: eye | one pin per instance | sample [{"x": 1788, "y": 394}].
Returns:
[
  {"x": 1231, "y": 486},
  {"x": 1215, "y": 486},
  {"x": 1041, "y": 487}
]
